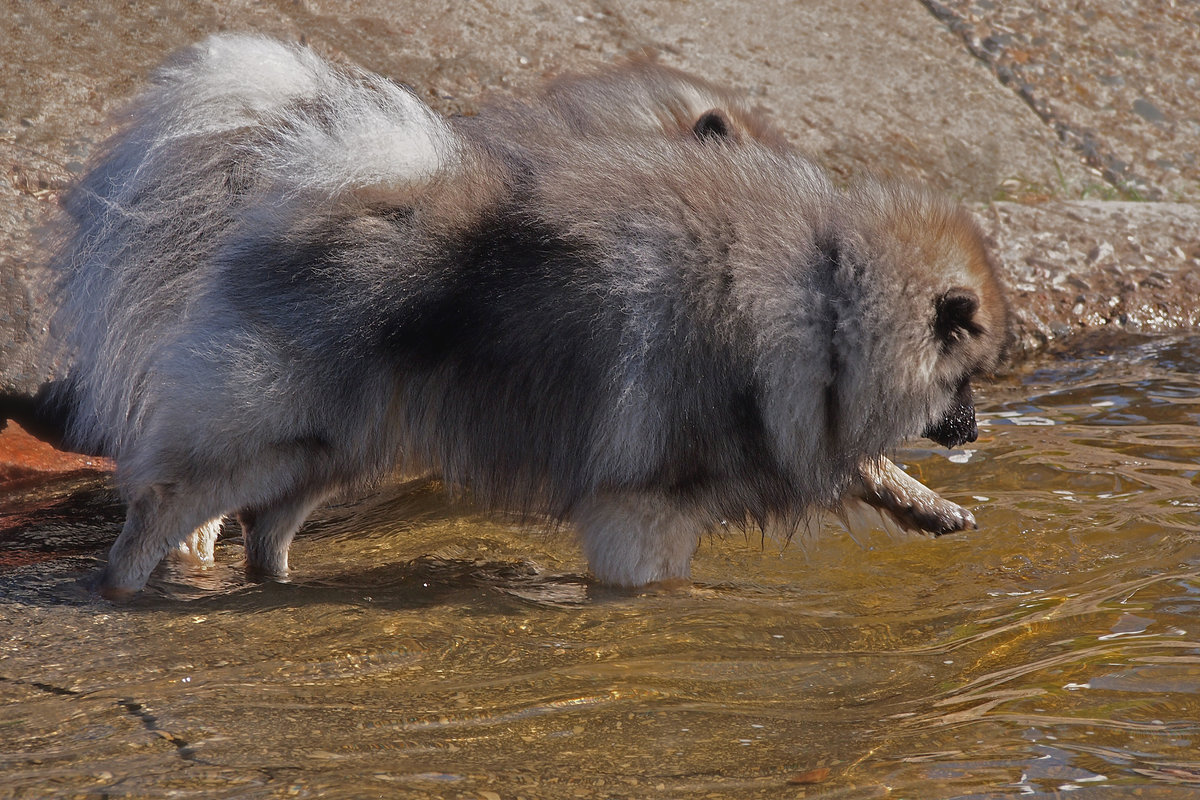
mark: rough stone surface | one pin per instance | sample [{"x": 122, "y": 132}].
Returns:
[
  {"x": 869, "y": 86},
  {"x": 1118, "y": 79},
  {"x": 1092, "y": 266},
  {"x": 1045, "y": 103}
]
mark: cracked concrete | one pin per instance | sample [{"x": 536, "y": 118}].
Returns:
[{"x": 1118, "y": 81}]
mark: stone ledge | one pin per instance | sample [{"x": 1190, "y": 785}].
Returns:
[{"x": 1075, "y": 268}]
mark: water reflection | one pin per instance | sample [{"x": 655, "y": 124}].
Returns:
[{"x": 424, "y": 650}]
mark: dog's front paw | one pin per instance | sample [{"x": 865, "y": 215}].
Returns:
[
  {"x": 908, "y": 501},
  {"x": 935, "y": 515}
]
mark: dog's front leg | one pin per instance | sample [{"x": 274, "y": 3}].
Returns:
[{"x": 882, "y": 484}]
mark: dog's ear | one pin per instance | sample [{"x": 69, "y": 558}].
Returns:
[
  {"x": 713, "y": 125},
  {"x": 955, "y": 315}
]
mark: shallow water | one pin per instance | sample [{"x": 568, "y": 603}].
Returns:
[{"x": 422, "y": 650}]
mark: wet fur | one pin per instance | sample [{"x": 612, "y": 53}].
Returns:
[{"x": 285, "y": 279}]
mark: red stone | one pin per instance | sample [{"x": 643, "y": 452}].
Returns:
[{"x": 22, "y": 456}]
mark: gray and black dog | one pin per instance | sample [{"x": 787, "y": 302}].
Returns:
[{"x": 625, "y": 302}]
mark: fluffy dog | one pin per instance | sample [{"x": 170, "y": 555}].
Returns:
[{"x": 626, "y": 302}]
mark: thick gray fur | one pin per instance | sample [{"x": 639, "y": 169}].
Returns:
[{"x": 285, "y": 279}]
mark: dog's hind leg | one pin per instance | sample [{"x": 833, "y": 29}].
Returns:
[
  {"x": 268, "y": 531},
  {"x": 200, "y": 546},
  {"x": 159, "y": 519},
  {"x": 633, "y": 539}
]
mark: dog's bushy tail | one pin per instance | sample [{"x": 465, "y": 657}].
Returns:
[{"x": 233, "y": 124}]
